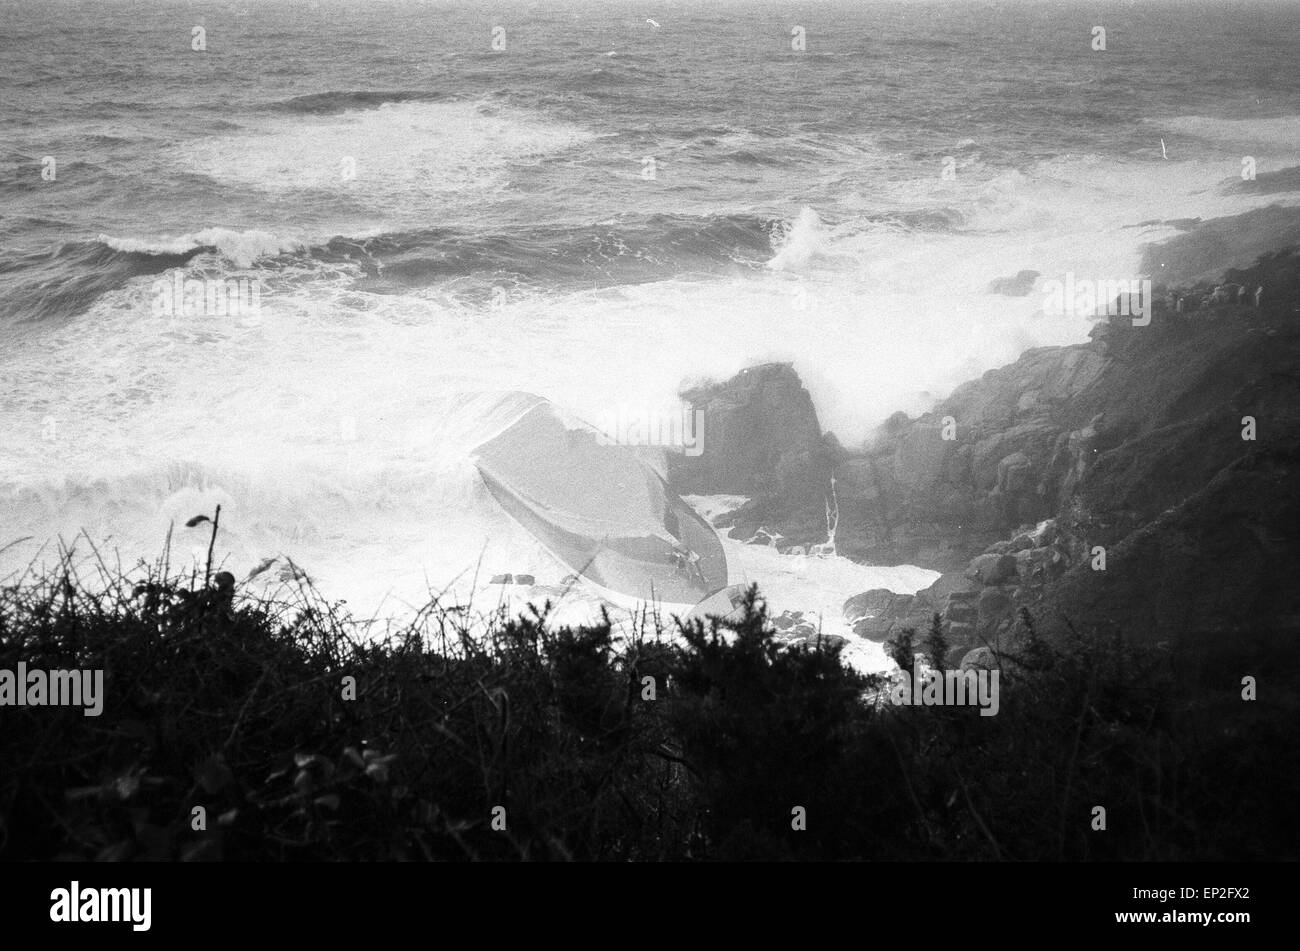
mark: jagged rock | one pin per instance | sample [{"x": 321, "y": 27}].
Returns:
[
  {"x": 1019, "y": 543},
  {"x": 874, "y": 614},
  {"x": 800, "y": 632},
  {"x": 761, "y": 436},
  {"x": 945, "y": 585},
  {"x": 1043, "y": 534},
  {"x": 994, "y": 605},
  {"x": 829, "y": 640},
  {"x": 868, "y": 603},
  {"x": 1129, "y": 441},
  {"x": 922, "y": 456},
  {"x": 1019, "y": 286},
  {"x": 786, "y": 620},
  {"x": 1015, "y": 474},
  {"x": 1074, "y": 453},
  {"x": 1055, "y": 374},
  {"x": 992, "y": 569},
  {"x": 873, "y": 629},
  {"x": 856, "y": 478},
  {"x": 915, "y": 491},
  {"x": 962, "y": 607},
  {"x": 981, "y": 658},
  {"x": 959, "y": 632},
  {"x": 919, "y": 624},
  {"x": 795, "y": 628},
  {"x": 1036, "y": 563}
]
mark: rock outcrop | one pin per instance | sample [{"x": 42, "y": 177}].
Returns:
[
  {"x": 1019, "y": 286},
  {"x": 996, "y": 455},
  {"x": 879, "y": 614},
  {"x": 761, "y": 439},
  {"x": 795, "y": 628},
  {"x": 1144, "y": 483}
]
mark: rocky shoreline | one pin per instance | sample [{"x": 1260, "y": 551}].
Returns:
[{"x": 1109, "y": 486}]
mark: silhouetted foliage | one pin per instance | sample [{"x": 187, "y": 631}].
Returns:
[{"x": 236, "y": 705}]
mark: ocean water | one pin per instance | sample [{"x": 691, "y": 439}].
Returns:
[{"x": 602, "y": 210}]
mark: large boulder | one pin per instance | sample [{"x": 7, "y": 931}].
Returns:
[
  {"x": 876, "y": 613},
  {"x": 1019, "y": 286},
  {"x": 760, "y": 436},
  {"x": 992, "y": 568},
  {"x": 981, "y": 658},
  {"x": 1038, "y": 564},
  {"x": 945, "y": 585},
  {"x": 794, "y": 628},
  {"x": 868, "y": 603}
]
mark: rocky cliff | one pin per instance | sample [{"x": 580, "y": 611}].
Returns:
[{"x": 1145, "y": 481}]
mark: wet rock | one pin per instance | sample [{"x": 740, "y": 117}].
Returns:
[
  {"x": 1036, "y": 564},
  {"x": 874, "y": 614},
  {"x": 1019, "y": 543},
  {"x": 760, "y": 436},
  {"x": 995, "y": 607},
  {"x": 992, "y": 569},
  {"x": 981, "y": 658},
  {"x": 945, "y": 585},
  {"x": 513, "y": 579},
  {"x": 786, "y": 620},
  {"x": 962, "y": 607},
  {"x": 1021, "y": 285},
  {"x": 868, "y": 603},
  {"x": 960, "y": 633},
  {"x": 994, "y": 604},
  {"x": 810, "y": 639}
]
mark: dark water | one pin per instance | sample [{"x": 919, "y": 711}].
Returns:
[{"x": 526, "y": 164}]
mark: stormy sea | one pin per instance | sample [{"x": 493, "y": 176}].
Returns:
[
  {"x": 648, "y": 431},
  {"x": 417, "y": 203}
]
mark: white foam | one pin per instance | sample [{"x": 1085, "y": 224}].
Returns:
[
  {"x": 241, "y": 248},
  {"x": 400, "y": 158},
  {"x": 804, "y": 240},
  {"x": 327, "y": 428},
  {"x": 1281, "y": 132}
]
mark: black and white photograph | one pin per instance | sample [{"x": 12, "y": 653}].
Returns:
[{"x": 651, "y": 431}]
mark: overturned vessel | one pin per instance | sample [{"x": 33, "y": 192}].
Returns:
[{"x": 603, "y": 510}]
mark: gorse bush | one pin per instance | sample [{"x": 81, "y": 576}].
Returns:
[{"x": 281, "y": 729}]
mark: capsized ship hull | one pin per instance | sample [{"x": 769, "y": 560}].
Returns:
[{"x": 600, "y": 509}]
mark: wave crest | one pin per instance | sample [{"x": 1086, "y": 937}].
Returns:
[
  {"x": 241, "y": 248},
  {"x": 327, "y": 103}
]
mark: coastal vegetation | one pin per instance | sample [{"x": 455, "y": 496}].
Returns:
[{"x": 244, "y": 727}]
